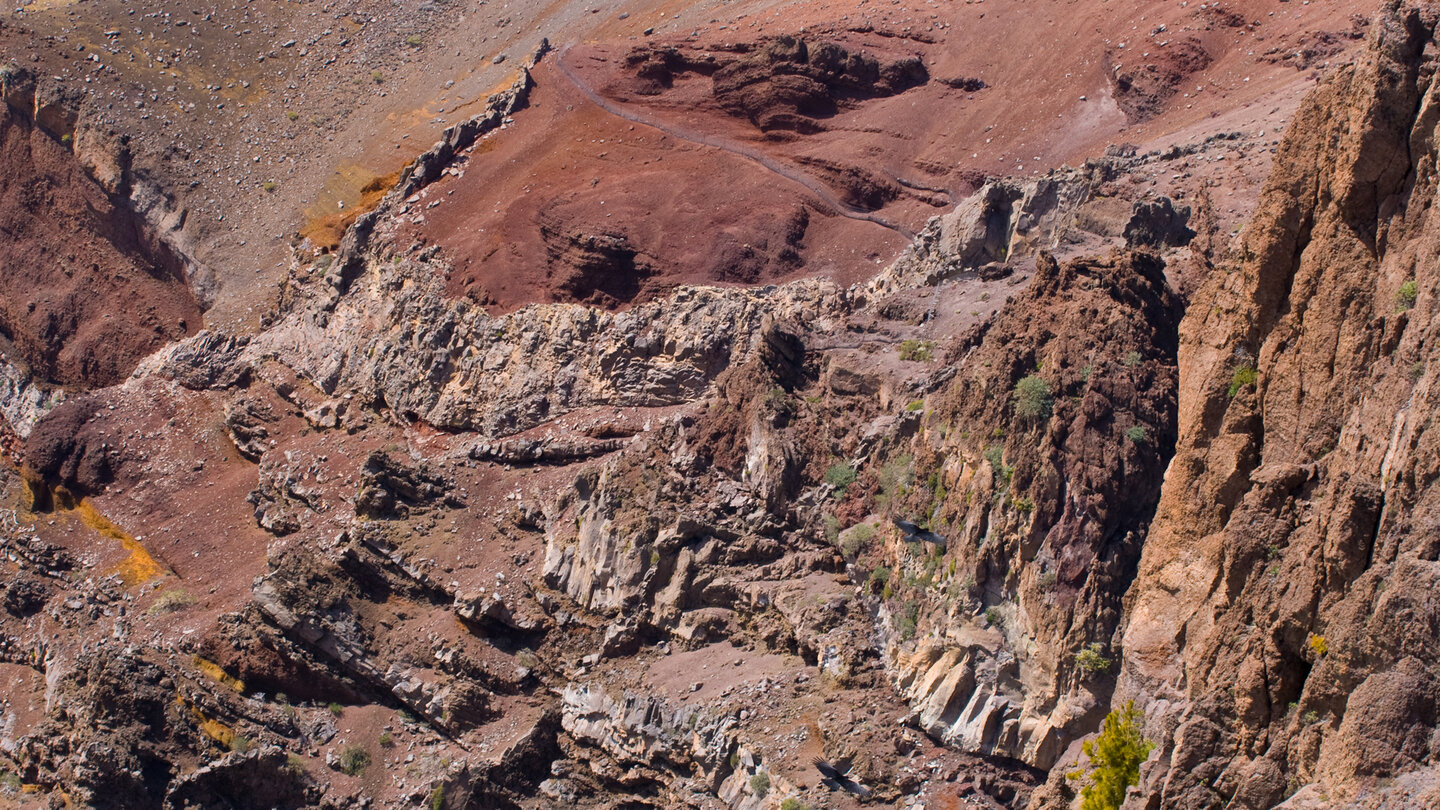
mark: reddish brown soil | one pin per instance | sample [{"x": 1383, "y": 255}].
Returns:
[
  {"x": 83, "y": 293},
  {"x": 605, "y": 190}
]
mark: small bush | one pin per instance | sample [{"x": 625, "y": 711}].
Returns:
[
  {"x": 792, "y": 803},
  {"x": 1047, "y": 581},
  {"x": 907, "y": 620},
  {"x": 1319, "y": 645},
  {"x": 292, "y": 115},
  {"x": 377, "y": 77},
  {"x": 760, "y": 784},
  {"x": 1132, "y": 359},
  {"x": 992, "y": 616},
  {"x": 239, "y": 743},
  {"x": 1032, "y": 398},
  {"x": 781, "y": 402},
  {"x": 881, "y": 575},
  {"x": 840, "y": 475},
  {"x": 917, "y": 351},
  {"x": 857, "y": 539},
  {"x": 353, "y": 760},
  {"x": 386, "y": 740},
  {"x": 654, "y": 557},
  {"x": 1136, "y": 434},
  {"x": 1406, "y": 295},
  {"x": 995, "y": 454},
  {"x": 1115, "y": 756},
  {"x": 269, "y": 185},
  {"x": 1091, "y": 661},
  {"x": 1309, "y": 718},
  {"x": 1243, "y": 376},
  {"x": 171, "y": 601},
  {"x": 915, "y": 405},
  {"x": 336, "y": 709},
  {"x": 527, "y": 659},
  {"x": 67, "y": 139},
  {"x": 414, "y": 40},
  {"x": 437, "y": 798}
]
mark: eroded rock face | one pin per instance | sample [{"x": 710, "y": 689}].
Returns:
[
  {"x": 1284, "y": 618},
  {"x": 89, "y": 289},
  {"x": 1042, "y": 503}
]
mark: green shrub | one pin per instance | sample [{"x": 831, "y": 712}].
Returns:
[
  {"x": 527, "y": 659},
  {"x": 906, "y": 621},
  {"x": 336, "y": 709},
  {"x": 857, "y": 539},
  {"x": 792, "y": 803},
  {"x": 1032, "y": 398},
  {"x": 239, "y": 743},
  {"x": 1319, "y": 645},
  {"x": 269, "y": 185},
  {"x": 992, "y": 616},
  {"x": 1132, "y": 359},
  {"x": 1406, "y": 295},
  {"x": 377, "y": 77},
  {"x": 915, "y": 405},
  {"x": 295, "y": 764},
  {"x": 918, "y": 351},
  {"x": 414, "y": 40},
  {"x": 1091, "y": 660},
  {"x": 1047, "y": 581},
  {"x": 1243, "y": 376},
  {"x": 896, "y": 476},
  {"x": 386, "y": 740},
  {"x": 292, "y": 115},
  {"x": 995, "y": 454},
  {"x": 353, "y": 760},
  {"x": 1115, "y": 758},
  {"x": 437, "y": 798},
  {"x": 1136, "y": 434},
  {"x": 760, "y": 784},
  {"x": 881, "y": 575},
  {"x": 840, "y": 475}
]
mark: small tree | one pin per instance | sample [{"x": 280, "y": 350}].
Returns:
[
  {"x": 1092, "y": 659},
  {"x": 1115, "y": 756},
  {"x": 1032, "y": 398}
]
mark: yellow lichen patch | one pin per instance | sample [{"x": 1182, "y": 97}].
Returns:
[
  {"x": 350, "y": 191},
  {"x": 139, "y": 566},
  {"x": 216, "y": 672},
  {"x": 214, "y": 729}
]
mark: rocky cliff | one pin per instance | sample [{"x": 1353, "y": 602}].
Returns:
[
  {"x": 1070, "y": 449},
  {"x": 1282, "y": 627}
]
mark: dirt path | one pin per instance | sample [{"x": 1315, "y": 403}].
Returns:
[{"x": 818, "y": 188}]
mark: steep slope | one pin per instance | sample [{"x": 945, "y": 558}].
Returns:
[{"x": 1283, "y": 629}]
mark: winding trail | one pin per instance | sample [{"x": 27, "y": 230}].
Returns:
[{"x": 816, "y": 187}]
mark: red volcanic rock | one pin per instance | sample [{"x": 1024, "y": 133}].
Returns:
[{"x": 85, "y": 293}]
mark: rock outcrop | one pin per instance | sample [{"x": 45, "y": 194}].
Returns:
[{"x": 1282, "y": 626}]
